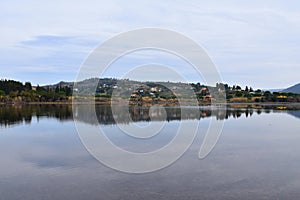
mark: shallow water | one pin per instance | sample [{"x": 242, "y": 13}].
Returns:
[{"x": 256, "y": 157}]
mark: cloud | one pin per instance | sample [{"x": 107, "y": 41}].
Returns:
[
  {"x": 47, "y": 40},
  {"x": 241, "y": 37}
]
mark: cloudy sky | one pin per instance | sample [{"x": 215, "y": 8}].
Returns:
[{"x": 254, "y": 43}]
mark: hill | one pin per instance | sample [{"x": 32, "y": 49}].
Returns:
[
  {"x": 103, "y": 88},
  {"x": 293, "y": 89}
]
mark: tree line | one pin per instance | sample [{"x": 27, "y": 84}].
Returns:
[{"x": 15, "y": 91}]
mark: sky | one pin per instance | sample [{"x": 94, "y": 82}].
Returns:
[{"x": 254, "y": 43}]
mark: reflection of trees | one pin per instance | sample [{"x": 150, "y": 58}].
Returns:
[
  {"x": 24, "y": 113},
  {"x": 18, "y": 114}
]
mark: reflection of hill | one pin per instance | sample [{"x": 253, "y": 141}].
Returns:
[
  {"x": 294, "y": 113},
  {"x": 18, "y": 114}
]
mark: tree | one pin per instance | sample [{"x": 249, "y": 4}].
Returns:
[
  {"x": 57, "y": 89},
  {"x": 267, "y": 96},
  {"x": 258, "y": 91},
  {"x": 68, "y": 91},
  {"x": 246, "y": 89},
  {"x": 27, "y": 86},
  {"x": 12, "y": 94},
  {"x": 11, "y": 86},
  {"x": 249, "y": 96},
  {"x": 226, "y": 87},
  {"x": 239, "y": 94},
  {"x": 40, "y": 89}
]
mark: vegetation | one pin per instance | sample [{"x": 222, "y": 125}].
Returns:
[{"x": 12, "y": 91}]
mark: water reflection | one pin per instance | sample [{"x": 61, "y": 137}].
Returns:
[
  {"x": 11, "y": 115},
  {"x": 257, "y": 156}
]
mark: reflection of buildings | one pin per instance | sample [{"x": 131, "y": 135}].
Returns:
[{"x": 18, "y": 114}]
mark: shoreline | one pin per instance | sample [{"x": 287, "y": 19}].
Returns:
[{"x": 148, "y": 104}]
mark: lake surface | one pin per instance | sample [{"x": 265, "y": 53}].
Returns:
[{"x": 256, "y": 157}]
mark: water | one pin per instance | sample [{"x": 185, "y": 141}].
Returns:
[{"x": 256, "y": 157}]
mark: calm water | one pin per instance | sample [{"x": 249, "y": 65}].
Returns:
[{"x": 256, "y": 157}]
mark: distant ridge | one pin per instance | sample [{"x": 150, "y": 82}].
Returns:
[
  {"x": 293, "y": 89},
  {"x": 274, "y": 90}
]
